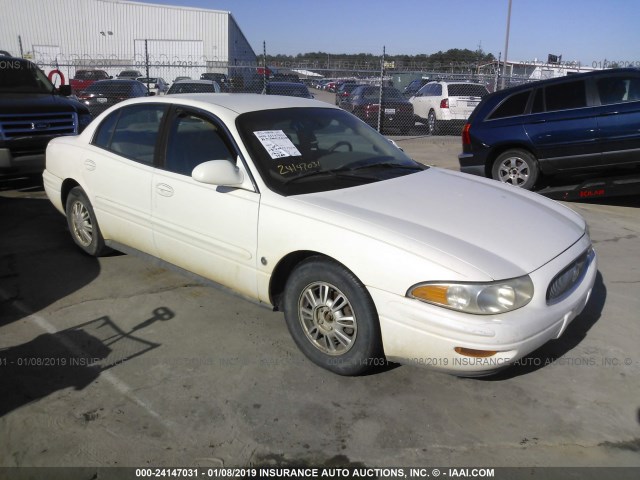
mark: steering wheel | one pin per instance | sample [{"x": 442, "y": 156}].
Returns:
[{"x": 341, "y": 144}]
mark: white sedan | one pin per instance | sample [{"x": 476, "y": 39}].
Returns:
[{"x": 300, "y": 205}]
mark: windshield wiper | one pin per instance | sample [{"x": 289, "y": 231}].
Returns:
[
  {"x": 336, "y": 172},
  {"x": 347, "y": 168}
]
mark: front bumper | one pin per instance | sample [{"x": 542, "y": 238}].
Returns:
[
  {"x": 417, "y": 333},
  {"x": 28, "y": 163}
]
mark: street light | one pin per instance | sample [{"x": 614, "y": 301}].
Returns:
[{"x": 506, "y": 46}]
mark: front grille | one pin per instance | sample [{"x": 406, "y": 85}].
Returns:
[
  {"x": 37, "y": 124},
  {"x": 567, "y": 278}
]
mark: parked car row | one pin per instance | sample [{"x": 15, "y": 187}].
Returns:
[{"x": 332, "y": 85}]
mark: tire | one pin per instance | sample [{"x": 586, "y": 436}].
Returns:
[
  {"x": 516, "y": 167},
  {"x": 332, "y": 318},
  {"x": 432, "y": 124},
  {"x": 83, "y": 225}
]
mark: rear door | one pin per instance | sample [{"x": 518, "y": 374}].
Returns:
[
  {"x": 618, "y": 118},
  {"x": 562, "y": 127},
  {"x": 118, "y": 169},
  {"x": 464, "y": 98}
]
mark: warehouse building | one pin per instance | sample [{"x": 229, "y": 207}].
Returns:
[{"x": 114, "y": 35}]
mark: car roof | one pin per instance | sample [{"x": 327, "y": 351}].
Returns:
[
  {"x": 456, "y": 82},
  {"x": 287, "y": 84},
  {"x": 115, "y": 81},
  {"x": 565, "y": 78},
  {"x": 236, "y": 102},
  {"x": 201, "y": 82}
]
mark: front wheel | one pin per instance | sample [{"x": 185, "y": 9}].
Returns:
[
  {"x": 332, "y": 318},
  {"x": 83, "y": 224},
  {"x": 516, "y": 167}
]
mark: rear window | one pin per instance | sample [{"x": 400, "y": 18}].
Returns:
[
  {"x": 512, "y": 106},
  {"x": 618, "y": 89},
  {"x": 467, "y": 90},
  {"x": 116, "y": 89}
]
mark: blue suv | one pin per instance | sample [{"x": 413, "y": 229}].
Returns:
[{"x": 574, "y": 124}]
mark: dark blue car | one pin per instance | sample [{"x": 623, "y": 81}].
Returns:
[{"x": 573, "y": 124}]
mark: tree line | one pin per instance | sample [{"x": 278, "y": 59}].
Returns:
[{"x": 454, "y": 57}]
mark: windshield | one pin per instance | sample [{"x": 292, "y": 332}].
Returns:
[
  {"x": 306, "y": 150},
  {"x": 17, "y": 76}
]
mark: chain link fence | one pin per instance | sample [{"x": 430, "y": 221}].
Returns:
[{"x": 395, "y": 98}]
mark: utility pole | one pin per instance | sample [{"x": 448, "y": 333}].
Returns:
[{"x": 506, "y": 46}]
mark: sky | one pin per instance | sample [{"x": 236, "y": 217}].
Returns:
[{"x": 588, "y": 31}]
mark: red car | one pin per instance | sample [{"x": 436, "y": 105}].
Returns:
[{"x": 85, "y": 78}]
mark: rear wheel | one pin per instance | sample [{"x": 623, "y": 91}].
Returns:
[
  {"x": 432, "y": 124},
  {"x": 516, "y": 167},
  {"x": 332, "y": 318},
  {"x": 83, "y": 224}
]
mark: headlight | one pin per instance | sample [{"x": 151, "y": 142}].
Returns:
[{"x": 478, "y": 298}]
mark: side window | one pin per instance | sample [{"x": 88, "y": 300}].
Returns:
[
  {"x": 618, "y": 89},
  {"x": 565, "y": 96},
  {"x": 634, "y": 89},
  {"x": 512, "y": 106},
  {"x": 132, "y": 132},
  {"x": 193, "y": 140},
  {"x": 104, "y": 132},
  {"x": 423, "y": 91},
  {"x": 437, "y": 90},
  {"x": 538, "y": 101}
]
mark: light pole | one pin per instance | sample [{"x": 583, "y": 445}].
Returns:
[{"x": 506, "y": 46}]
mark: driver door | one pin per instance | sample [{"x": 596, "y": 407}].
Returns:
[{"x": 205, "y": 229}]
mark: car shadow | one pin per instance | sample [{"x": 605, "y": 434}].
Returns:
[
  {"x": 555, "y": 350},
  {"x": 39, "y": 263}
]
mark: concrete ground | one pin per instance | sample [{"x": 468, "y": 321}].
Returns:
[{"x": 120, "y": 362}]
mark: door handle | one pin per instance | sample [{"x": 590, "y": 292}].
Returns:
[
  {"x": 608, "y": 114},
  {"x": 90, "y": 165},
  {"x": 164, "y": 190},
  {"x": 539, "y": 121}
]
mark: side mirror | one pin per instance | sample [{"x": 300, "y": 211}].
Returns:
[
  {"x": 218, "y": 172},
  {"x": 64, "y": 90},
  {"x": 110, "y": 77}
]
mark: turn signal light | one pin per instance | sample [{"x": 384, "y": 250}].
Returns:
[{"x": 470, "y": 352}]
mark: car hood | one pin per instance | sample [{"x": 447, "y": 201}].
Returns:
[
  {"x": 456, "y": 219},
  {"x": 39, "y": 103}
]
